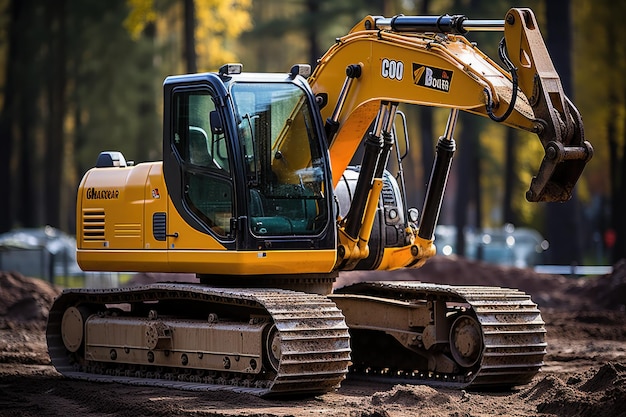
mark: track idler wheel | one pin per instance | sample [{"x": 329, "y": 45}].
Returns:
[
  {"x": 73, "y": 328},
  {"x": 466, "y": 342}
]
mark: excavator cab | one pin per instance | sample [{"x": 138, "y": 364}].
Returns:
[{"x": 245, "y": 160}]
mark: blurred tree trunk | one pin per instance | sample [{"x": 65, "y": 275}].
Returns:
[
  {"x": 619, "y": 208},
  {"x": 147, "y": 106},
  {"x": 463, "y": 192},
  {"x": 564, "y": 221},
  {"x": 617, "y": 169},
  {"x": 190, "y": 37},
  {"x": 508, "y": 213},
  {"x": 7, "y": 114},
  {"x": 19, "y": 120},
  {"x": 24, "y": 177},
  {"x": 427, "y": 134},
  {"x": 477, "y": 190},
  {"x": 313, "y": 9},
  {"x": 617, "y": 165},
  {"x": 55, "y": 92},
  {"x": 468, "y": 180}
]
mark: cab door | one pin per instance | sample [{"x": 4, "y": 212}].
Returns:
[{"x": 198, "y": 169}]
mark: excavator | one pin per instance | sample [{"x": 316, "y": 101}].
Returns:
[{"x": 258, "y": 195}]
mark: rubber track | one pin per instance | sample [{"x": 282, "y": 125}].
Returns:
[
  {"x": 513, "y": 331},
  {"x": 315, "y": 342}
]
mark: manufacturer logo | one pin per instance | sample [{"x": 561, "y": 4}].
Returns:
[
  {"x": 434, "y": 78},
  {"x": 96, "y": 194},
  {"x": 392, "y": 69}
]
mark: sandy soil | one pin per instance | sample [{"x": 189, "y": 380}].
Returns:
[{"x": 584, "y": 375}]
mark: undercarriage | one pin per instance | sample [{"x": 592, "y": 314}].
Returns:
[{"x": 271, "y": 342}]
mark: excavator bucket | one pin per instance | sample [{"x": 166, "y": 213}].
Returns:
[
  {"x": 562, "y": 164},
  {"x": 559, "y": 171}
]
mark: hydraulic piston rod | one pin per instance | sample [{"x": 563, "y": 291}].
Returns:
[
  {"x": 438, "y": 179},
  {"x": 456, "y": 24},
  {"x": 332, "y": 123}
]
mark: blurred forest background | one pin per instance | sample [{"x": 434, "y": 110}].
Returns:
[{"x": 81, "y": 76}]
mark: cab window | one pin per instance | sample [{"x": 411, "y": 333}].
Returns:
[{"x": 200, "y": 143}]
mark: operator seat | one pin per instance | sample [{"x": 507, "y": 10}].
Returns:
[{"x": 198, "y": 147}]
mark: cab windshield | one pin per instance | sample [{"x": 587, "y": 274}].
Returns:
[{"x": 282, "y": 152}]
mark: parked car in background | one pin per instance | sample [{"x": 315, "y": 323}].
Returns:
[{"x": 520, "y": 247}]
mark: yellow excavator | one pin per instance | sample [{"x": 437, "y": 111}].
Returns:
[{"x": 256, "y": 196}]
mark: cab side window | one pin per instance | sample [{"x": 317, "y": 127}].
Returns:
[{"x": 200, "y": 143}]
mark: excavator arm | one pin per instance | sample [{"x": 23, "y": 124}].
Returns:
[
  {"x": 426, "y": 60},
  {"x": 557, "y": 122}
]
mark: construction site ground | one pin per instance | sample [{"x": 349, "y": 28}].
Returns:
[{"x": 584, "y": 372}]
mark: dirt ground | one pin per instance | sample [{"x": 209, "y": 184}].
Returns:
[{"x": 584, "y": 374}]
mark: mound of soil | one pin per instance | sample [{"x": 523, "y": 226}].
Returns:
[
  {"x": 554, "y": 291},
  {"x": 598, "y": 392},
  {"x": 602, "y": 292},
  {"x": 25, "y": 301}
]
